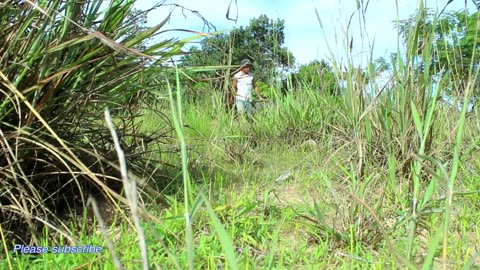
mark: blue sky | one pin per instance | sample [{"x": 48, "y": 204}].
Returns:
[{"x": 304, "y": 36}]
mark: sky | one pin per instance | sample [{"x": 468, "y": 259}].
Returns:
[{"x": 304, "y": 36}]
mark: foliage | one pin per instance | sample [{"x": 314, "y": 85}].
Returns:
[
  {"x": 267, "y": 91},
  {"x": 261, "y": 41},
  {"x": 456, "y": 51},
  {"x": 61, "y": 64},
  {"x": 317, "y": 75},
  {"x": 138, "y": 21}
]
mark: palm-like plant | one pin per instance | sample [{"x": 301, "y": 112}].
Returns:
[{"x": 61, "y": 64}]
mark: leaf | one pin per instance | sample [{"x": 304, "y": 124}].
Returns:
[
  {"x": 225, "y": 239},
  {"x": 71, "y": 43},
  {"x": 196, "y": 206},
  {"x": 428, "y": 194},
  {"x": 245, "y": 210},
  {"x": 416, "y": 120},
  {"x": 118, "y": 46},
  {"x": 139, "y": 37}
]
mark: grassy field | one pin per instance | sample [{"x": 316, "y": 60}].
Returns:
[
  {"x": 380, "y": 176},
  {"x": 289, "y": 195}
]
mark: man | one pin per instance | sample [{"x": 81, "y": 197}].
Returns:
[{"x": 243, "y": 83}]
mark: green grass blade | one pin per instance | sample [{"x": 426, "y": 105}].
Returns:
[
  {"x": 224, "y": 237},
  {"x": 416, "y": 120}
]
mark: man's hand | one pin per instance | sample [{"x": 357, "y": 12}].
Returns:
[{"x": 260, "y": 98}]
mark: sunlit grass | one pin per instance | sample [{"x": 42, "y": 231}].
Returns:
[{"x": 315, "y": 181}]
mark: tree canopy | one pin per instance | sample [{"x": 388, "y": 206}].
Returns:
[
  {"x": 455, "y": 46},
  {"x": 262, "y": 41},
  {"x": 317, "y": 75}
]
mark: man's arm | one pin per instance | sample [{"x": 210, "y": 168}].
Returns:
[{"x": 257, "y": 91}]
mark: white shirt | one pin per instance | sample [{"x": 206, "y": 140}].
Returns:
[{"x": 244, "y": 86}]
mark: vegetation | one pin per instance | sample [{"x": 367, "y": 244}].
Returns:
[
  {"x": 318, "y": 75},
  {"x": 261, "y": 41},
  {"x": 362, "y": 175},
  {"x": 59, "y": 70},
  {"x": 455, "y": 47}
]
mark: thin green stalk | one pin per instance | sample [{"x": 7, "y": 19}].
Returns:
[
  {"x": 187, "y": 186},
  {"x": 457, "y": 153},
  {"x": 4, "y": 242},
  {"x": 455, "y": 166}
]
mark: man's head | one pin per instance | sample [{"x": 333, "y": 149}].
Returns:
[{"x": 245, "y": 65}]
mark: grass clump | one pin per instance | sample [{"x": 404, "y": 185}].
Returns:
[{"x": 61, "y": 66}]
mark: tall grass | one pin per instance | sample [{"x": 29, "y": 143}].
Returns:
[
  {"x": 400, "y": 126},
  {"x": 370, "y": 177},
  {"x": 61, "y": 64}
]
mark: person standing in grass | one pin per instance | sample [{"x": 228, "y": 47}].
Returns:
[{"x": 242, "y": 86}]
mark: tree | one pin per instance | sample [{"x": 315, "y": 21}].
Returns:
[
  {"x": 261, "y": 41},
  {"x": 317, "y": 75},
  {"x": 454, "y": 46}
]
